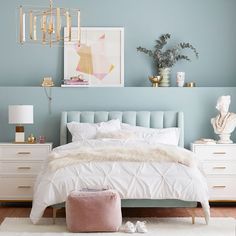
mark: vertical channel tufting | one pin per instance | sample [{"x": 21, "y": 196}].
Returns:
[
  {"x": 170, "y": 119},
  {"x": 101, "y": 116},
  {"x": 87, "y": 117},
  {"x": 157, "y": 119},
  {"x": 153, "y": 119},
  {"x": 113, "y": 115},
  {"x": 129, "y": 117},
  {"x": 143, "y": 119}
]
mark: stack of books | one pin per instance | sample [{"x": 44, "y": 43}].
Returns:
[{"x": 75, "y": 82}]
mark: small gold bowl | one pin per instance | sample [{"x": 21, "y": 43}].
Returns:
[{"x": 155, "y": 80}]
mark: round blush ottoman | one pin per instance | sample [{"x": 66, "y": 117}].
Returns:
[{"x": 98, "y": 211}]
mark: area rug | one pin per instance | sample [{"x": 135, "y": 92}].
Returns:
[{"x": 156, "y": 227}]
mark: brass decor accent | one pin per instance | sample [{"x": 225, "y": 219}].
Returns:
[
  {"x": 24, "y": 187},
  {"x": 219, "y": 186},
  {"x": 219, "y": 153},
  {"x": 219, "y": 168},
  {"x": 24, "y": 168},
  {"x": 24, "y": 153},
  {"x": 155, "y": 80},
  {"x": 44, "y": 25}
]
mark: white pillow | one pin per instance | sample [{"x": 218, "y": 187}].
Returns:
[
  {"x": 81, "y": 131},
  {"x": 120, "y": 134},
  {"x": 168, "y": 136}
]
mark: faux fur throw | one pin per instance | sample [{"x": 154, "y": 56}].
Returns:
[{"x": 161, "y": 153}]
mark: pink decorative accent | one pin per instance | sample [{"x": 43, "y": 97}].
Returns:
[{"x": 93, "y": 211}]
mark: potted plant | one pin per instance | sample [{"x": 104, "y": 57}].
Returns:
[{"x": 165, "y": 59}]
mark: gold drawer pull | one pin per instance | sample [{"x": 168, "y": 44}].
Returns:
[
  {"x": 219, "y": 168},
  {"x": 24, "y": 168},
  {"x": 24, "y": 153},
  {"x": 24, "y": 187},
  {"x": 219, "y": 153},
  {"x": 219, "y": 186}
]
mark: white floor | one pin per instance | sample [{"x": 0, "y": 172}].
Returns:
[{"x": 156, "y": 227}]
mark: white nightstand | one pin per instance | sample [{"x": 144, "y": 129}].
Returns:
[
  {"x": 19, "y": 167},
  {"x": 218, "y": 162}
]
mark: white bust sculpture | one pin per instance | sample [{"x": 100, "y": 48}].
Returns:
[{"x": 224, "y": 123}]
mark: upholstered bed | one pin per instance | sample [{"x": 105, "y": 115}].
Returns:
[{"x": 150, "y": 119}]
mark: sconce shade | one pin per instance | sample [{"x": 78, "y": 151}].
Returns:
[{"x": 20, "y": 114}]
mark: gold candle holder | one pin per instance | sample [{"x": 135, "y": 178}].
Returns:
[{"x": 190, "y": 84}]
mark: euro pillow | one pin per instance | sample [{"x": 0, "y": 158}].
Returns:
[
  {"x": 81, "y": 131},
  {"x": 169, "y": 136}
]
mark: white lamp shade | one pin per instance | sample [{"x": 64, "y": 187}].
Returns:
[{"x": 20, "y": 114}]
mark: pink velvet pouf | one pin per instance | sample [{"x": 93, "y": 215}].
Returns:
[{"x": 98, "y": 211}]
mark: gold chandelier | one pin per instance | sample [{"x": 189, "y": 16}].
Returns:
[{"x": 44, "y": 25}]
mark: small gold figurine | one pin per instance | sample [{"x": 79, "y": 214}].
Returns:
[
  {"x": 31, "y": 139},
  {"x": 155, "y": 80}
]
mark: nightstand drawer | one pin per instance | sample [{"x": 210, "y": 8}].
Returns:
[
  {"x": 222, "y": 188},
  {"x": 216, "y": 152},
  {"x": 13, "y": 168},
  {"x": 219, "y": 168},
  {"x": 16, "y": 188},
  {"x": 24, "y": 152}
]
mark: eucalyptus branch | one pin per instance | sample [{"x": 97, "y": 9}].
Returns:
[{"x": 169, "y": 57}]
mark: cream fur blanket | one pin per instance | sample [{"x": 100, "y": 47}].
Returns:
[{"x": 160, "y": 153}]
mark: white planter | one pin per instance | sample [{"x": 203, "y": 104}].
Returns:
[{"x": 165, "y": 75}]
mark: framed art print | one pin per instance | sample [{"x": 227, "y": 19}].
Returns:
[{"x": 99, "y": 59}]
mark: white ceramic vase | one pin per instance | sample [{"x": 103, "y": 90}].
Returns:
[
  {"x": 180, "y": 79},
  {"x": 165, "y": 75}
]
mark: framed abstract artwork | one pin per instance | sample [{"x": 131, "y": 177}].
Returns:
[{"x": 99, "y": 59}]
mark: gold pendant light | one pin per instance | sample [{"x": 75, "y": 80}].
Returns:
[{"x": 44, "y": 25}]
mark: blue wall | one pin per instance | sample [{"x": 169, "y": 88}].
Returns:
[
  {"x": 207, "y": 24},
  {"x": 198, "y": 105}
]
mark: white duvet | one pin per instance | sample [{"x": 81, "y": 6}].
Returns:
[{"x": 143, "y": 179}]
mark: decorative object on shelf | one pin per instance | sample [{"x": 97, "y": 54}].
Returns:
[
  {"x": 224, "y": 123},
  {"x": 20, "y": 114},
  {"x": 99, "y": 59},
  {"x": 166, "y": 59},
  {"x": 165, "y": 75},
  {"x": 31, "y": 139},
  {"x": 180, "y": 79},
  {"x": 42, "y": 139},
  {"x": 75, "y": 81},
  {"x": 190, "y": 84},
  {"x": 155, "y": 80},
  {"x": 47, "y": 84},
  {"x": 43, "y": 25}
]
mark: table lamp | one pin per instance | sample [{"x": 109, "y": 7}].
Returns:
[{"x": 19, "y": 115}]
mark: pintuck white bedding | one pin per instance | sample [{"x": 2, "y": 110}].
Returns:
[{"x": 148, "y": 178}]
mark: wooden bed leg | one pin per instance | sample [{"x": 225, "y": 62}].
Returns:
[
  {"x": 191, "y": 212},
  {"x": 54, "y": 215}
]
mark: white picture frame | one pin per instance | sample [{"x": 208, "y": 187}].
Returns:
[{"x": 99, "y": 59}]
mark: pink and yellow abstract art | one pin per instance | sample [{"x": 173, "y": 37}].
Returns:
[{"x": 99, "y": 57}]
